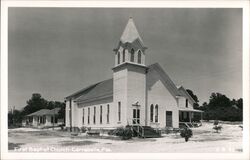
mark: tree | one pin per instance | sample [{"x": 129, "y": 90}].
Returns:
[
  {"x": 14, "y": 117},
  {"x": 34, "y": 104},
  {"x": 220, "y": 107},
  {"x": 191, "y": 93},
  {"x": 61, "y": 113},
  {"x": 239, "y": 103}
]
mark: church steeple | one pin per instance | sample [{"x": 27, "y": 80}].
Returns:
[
  {"x": 130, "y": 33},
  {"x": 131, "y": 48}
]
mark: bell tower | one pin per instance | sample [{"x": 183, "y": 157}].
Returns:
[
  {"x": 131, "y": 48},
  {"x": 129, "y": 77}
]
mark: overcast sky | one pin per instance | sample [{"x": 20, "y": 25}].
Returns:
[{"x": 57, "y": 51}]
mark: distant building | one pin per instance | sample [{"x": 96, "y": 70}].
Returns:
[
  {"x": 136, "y": 95},
  {"x": 43, "y": 118}
]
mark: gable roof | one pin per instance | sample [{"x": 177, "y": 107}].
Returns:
[
  {"x": 101, "y": 90},
  {"x": 169, "y": 84},
  {"x": 104, "y": 89},
  {"x": 82, "y": 91},
  {"x": 43, "y": 112},
  {"x": 183, "y": 92}
]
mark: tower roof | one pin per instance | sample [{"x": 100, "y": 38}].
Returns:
[{"x": 130, "y": 33}]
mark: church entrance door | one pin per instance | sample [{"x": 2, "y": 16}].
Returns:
[
  {"x": 169, "y": 119},
  {"x": 136, "y": 116}
]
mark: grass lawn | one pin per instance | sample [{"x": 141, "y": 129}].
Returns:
[{"x": 204, "y": 140}]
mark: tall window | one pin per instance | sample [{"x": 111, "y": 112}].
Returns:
[
  {"x": 123, "y": 55},
  {"x": 156, "y": 113},
  {"x": 70, "y": 114},
  {"x": 118, "y": 57},
  {"x": 136, "y": 116},
  {"x": 151, "y": 113},
  {"x": 119, "y": 111},
  {"x": 88, "y": 114},
  {"x": 139, "y": 57},
  {"x": 100, "y": 114},
  {"x": 187, "y": 103},
  {"x": 132, "y": 56},
  {"x": 94, "y": 115},
  {"x": 108, "y": 113},
  {"x": 83, "y": 116}
]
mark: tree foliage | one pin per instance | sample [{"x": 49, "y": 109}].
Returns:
[
  {"x": 220, "y": 107},
  {"x": 14, "y": 117},
  {"x": 191, "y": 93},
  {"x": 35, "y": 103}
]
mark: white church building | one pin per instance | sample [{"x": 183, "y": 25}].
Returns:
[{"x": 137, "y": 94}]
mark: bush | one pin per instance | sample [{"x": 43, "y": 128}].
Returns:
[
  {"x": 216, "y": 122},
  {"x": 84, "y": 129},
  {"x": 62, "y": 126},
  {"x": 217, "y": 128},
  {"x": 186, "y": 133},
  {"x": 124, "y": 133}
]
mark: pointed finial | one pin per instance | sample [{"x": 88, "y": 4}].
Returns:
[{"x": 130, "y": 32}]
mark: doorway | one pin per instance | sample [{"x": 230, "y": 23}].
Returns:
[
  {"x": 136, "y": 116},
  {"x": 169, "y": 121}
]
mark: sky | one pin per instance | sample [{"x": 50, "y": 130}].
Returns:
[{"x": 58, "y": 51}]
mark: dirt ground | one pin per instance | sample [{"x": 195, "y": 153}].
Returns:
[{"x": 204, "y": 140}]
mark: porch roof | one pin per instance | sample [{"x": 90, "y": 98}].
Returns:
[{"x": 189, "y": 110}]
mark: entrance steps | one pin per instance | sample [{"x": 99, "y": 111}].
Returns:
[{"x": 145, "y": 132}]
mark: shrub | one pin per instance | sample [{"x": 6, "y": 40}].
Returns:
[
  {"x": 124, "y": 133},
  {"x": 186, "y": 133},
  {"x": 217, "y": 128},
  {"x": 84, "y": 129},
  {"x": 62, "y": 126},
  {"x": 216, "y": 122}
]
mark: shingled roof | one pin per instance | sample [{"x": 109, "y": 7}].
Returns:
[
  {"x": 44, "y": 112},
  {"x": 101, "y": 90},
  {"x": 104, "y": 89}
]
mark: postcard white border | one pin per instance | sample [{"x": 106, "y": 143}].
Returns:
[{"x": 123, "y": 4}]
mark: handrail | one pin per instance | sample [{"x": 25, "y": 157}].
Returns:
[{"x": 138, "y": 128}]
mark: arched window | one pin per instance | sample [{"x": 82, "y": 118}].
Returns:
[
  {"x": 151, "y": 113},
  {"x": 132, "y": 57},
  {"x": 139, "y": 57},
  {"x": 118, "y": 58},
  {"x": 123, "y": 55},
  {"x": 156, "y": 113}
]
